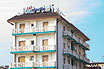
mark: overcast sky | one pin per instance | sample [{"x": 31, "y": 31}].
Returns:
[{"x": 87, "y": 15}]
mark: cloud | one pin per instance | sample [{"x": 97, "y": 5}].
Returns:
[{"x": 79, "y": 13}]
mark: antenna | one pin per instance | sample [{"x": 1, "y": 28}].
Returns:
[{"x": 58, "y": 4}]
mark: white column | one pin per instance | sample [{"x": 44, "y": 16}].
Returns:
[
  {"x": 14, "y": 41},
  {"x": 35, "y": 24},
  {"x": 14, "y": 58},
  {"x": 66, "y": 43},
  {"x": 55, "y": 39},
  {"x": 35, "y": 41},
  {"x": 66, "y": 59}
]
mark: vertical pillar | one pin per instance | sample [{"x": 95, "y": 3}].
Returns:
[
  {"x": 78, "y": 64},
  {"x": 14, "y": 58},
  {"x": 55, "y": 39},
  {"x": 66, "y": 43},
  {"x": 66, "y": 59},
  {"x": 35, "y": 40},
  {"x": 35, "y": 24},
  {"x": 14, "y": 41}
]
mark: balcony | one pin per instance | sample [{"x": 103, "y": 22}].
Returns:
[
  {"x": 75, "y": 54},
  {"x": 74, "y": 67},
  {"x": 34, "y": 65},
  {"x": 67, "y": 66},
  {"x": 72, "y": 37},
  {"x": 84, "y": 59},
  {"x": 32, "y": 49},
  {"x": 67, "y": 51},
  {"x": 35, "y": 30},
  {"x": 71, "y": 53}
]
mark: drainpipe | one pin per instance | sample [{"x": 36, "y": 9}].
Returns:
[
  {"x": 57, "y": 41},
  {"x": 72, "y": 53}
]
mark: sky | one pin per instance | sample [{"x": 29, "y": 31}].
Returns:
[{"x": 86, "y": 15}]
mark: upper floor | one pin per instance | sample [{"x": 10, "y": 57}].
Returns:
[
  {"x": 34, "y": 26},
  {"x": 43, "y": 23}
]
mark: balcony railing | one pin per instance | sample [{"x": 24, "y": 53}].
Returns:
[
  {"x": 84, "y": 59},
  {"x": 33, "y": 48},
  {"x": 67, "y": 66},
  {"x": 75, "y": 54},
  {"x": 74, "y": 67},
  {"x": 35, "y": 29},
  {"x": 33, "y": 64},
  {"x": 67, "y": 51},
  {"x": 75, "y": 38}
]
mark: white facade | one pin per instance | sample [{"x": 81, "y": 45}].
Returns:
[{"x": 65, "y": 48}]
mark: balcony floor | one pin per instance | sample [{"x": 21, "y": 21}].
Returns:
[
  {"x": 52, "y": 67},
  {"x": 34, "y": 33},
  {"x": 32, "y": 51}
]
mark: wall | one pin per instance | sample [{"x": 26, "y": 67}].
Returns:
[
  {"x": 37, "y": 57},
  {"x": 37, "y": 23},
  {"x": 60, "y": 46}
]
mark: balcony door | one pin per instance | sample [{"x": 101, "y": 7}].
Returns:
[
  {"x": 45, "y": 44},
  {"x": 45, "y": 26},
  {"x": 22, "y": 27},
  {"x": 21, "y": 61},
  {"x": 22, "y": 45},
  {"x": 45, "y": 60}
]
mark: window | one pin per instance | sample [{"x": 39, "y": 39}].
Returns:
[
  {"x": 69, "y": 46},
  {"x": 45, "y": 24},
  {"x": 21, "y": 59},
  {"x": 22, "y": 43},
  {"x": 45, "y": 42},
  {"x": 64, "y": 45},
  {"x": 72, "y": 33},
  {"x": 22, "y": 26},
  {"x": 80, "y": 65},
  {"x": 31, "y": 58},
  {"x": 32, "y": 25},
  {"x": 32, "y": 42},
  {"x": 64, "y": 60},
  {"x": 72, "y": 62},
  {"x": 45, "y": 58},
  {"x": 76, "y": 64},
  {"x": 72, "y": 46},
  {"x": 63, "y": 28},
  {"x": 68, "y": 60}
]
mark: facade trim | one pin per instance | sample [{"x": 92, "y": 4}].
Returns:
[
  {"x": 33, "y": 51},
  {"x": 34, "y": 33},
  {"x": 32, "y": 67}
]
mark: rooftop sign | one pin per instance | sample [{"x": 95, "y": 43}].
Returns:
[{"x": 37, "y": 10}]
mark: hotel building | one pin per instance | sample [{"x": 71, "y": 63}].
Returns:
[{"x": 47, "y": 41}]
